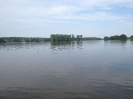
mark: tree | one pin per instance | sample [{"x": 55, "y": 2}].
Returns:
[
  {"x": 131, "y": 37},
  {"x": 80, "y": 37},
  {"x": 52, "y": 37},
  {"x": 77, "y": 38},
  {"x": 2, "y": 40},
  {"x": 116, "y": 37},
  {"x": 106, "y": 38},
  {"x": 73, "y": 38},
  {"x": 123, "y": 37},
  {"x": 60, "y": 38}
]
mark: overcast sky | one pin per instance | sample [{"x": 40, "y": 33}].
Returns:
[{"x": 40, "y": 18}]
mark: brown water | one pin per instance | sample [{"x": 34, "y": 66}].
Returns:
[{"x": 83, "y": 70}]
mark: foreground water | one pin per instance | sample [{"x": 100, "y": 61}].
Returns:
[{"x": 80, "y": 70}]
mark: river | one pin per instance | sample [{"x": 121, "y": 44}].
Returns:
[{"x": 94, "y": 69}]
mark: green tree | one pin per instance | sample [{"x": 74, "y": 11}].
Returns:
[
  {"x": 77, "y": 38},
  {"x": 116, "y": 37},
  {"x": 73, "y": 38},
  {"x": 123, "y": 37},
  {"x": 52, "y": 37},
  {"x": 80, "y": 37},
  {"x": 106, "y": 38},
  {"x": 131, "y": 38},
  {"x": 2, "y": 40}
]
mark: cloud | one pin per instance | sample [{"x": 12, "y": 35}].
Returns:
[{"x": 43, "y": 12}]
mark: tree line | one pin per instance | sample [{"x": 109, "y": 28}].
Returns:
[
  {"x": 53, "y": 38},
  {"x": 23, "y": 39},
  {"x": 116, "y": 37},
  {"x": 65, "y": 38},
  {"x": 91, "y": 38},
  {"x": 131, "y": 37},
  {"x": 61, "y": 38}
]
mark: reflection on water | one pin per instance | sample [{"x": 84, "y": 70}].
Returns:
[
  {"x": 115, "y": 42},
  {"x": 79, "y": 43},
  {"x": 76, "y": 70}
]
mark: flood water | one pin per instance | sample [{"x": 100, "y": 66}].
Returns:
[{"x": 78, "y": 70}]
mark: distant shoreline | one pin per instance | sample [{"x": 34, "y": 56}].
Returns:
[
  {"x": 43, "y": 39},
  {"x": 39, "y": 39}
]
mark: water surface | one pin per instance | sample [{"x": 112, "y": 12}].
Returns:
[{"x": 77, "y": 70}]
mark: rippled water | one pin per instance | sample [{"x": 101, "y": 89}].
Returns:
[{"x": 78, "y": 70}]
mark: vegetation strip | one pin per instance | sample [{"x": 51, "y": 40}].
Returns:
[{"x": 61, "y": 38}]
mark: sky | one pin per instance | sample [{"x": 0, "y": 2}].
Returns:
[{"x": 90, "y": 18}]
